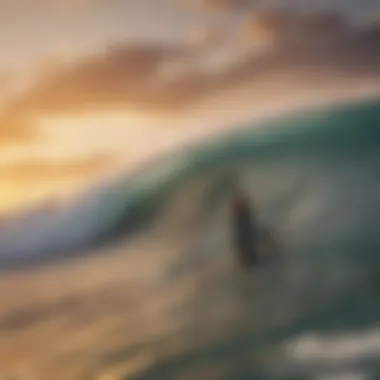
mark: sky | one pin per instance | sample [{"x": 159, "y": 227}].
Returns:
[{"x": 90, "y": 85}]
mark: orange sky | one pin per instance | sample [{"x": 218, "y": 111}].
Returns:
[{"x": 106, "y": 83}]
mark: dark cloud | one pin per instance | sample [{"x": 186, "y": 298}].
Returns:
[
  {"x": 301, "y": 43},
  {"x": 286, "y": 26}
]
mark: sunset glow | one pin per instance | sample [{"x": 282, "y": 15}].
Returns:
[
  {"x": 119, "y": 136},
  {"x": 85, "y": 78}
]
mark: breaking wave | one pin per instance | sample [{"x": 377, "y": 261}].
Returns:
[{"x": 162, "y": 295}]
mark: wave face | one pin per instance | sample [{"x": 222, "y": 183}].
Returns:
[{"x": 162, "y": 299}]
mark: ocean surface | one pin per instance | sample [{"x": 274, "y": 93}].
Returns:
[{"x": 136, "y": 278}]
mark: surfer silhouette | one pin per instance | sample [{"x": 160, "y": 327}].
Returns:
[
  {"x": 253, "y": 243},
  {"x": 245, "y": 230}
]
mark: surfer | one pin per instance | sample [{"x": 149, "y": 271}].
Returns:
[
  {"x": 245, "y": 232},
  {"x": 251, "y": 241}
]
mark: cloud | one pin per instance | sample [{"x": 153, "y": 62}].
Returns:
[
  {"x": 205, "y": 38},
  {"x": 229, "y": 5},
  {"x": 15, "y": 129},
  {"x": 120, "y": 75},
  {"x": 269, "y": 25},
  {"x": 304, "y": 42},
  {"x": 57, "y": 4},
  {"x": 131, "y": 75},
  {"x": 284, "y": 26}
]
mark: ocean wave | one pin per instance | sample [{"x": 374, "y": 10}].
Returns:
[{"x": 164, "y": 298}]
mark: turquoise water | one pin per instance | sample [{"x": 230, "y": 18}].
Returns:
[{"x": 314, "y": 178}]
